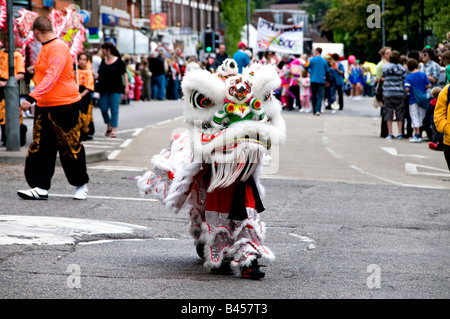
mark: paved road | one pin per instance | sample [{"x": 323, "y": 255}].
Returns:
[{"x": 347, "y": 217}]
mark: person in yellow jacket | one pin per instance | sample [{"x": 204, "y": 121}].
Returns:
[{"x": 442, "y": 120}]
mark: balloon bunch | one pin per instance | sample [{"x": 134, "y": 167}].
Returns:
[
  {"x": 2, "y": 14},
  {"x": 69, "y": 27},
  {"x": 23, "y": 28}
]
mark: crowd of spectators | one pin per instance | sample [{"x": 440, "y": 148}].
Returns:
[{"x": 407, "y": 90}]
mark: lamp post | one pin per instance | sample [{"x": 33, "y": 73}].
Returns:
[
  {"x": 248, "y": 23},
  {"x": 382, "y": 25},
  {"x": 11, "y": 90}
]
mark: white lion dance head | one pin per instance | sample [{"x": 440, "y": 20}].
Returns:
[{"x": 233, "y": 120}]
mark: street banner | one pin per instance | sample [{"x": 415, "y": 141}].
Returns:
[
  {"x": 279, "y": 37},
  {"x": 158, "y": 21}
]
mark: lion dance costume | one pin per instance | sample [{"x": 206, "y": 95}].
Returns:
[{"x": 213, "y": 168}]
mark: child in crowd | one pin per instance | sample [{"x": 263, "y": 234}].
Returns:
[
  {"x": 416, "y": 82},
  {"x": 305, "y": 91},
  {"x": 446, "y": 62},
  {"x": 85, "y": 80},
  {"x": 137, "y": 84},
  {"x": 438, "y": 138},
  {"x": 294, "y": 85},
  {"x": 356, "y": 78},
  {"x": 284, "y": 76}
]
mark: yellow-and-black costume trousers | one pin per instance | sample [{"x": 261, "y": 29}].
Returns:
[
  {"x": 56, "y": 129},
  {"x": 87, "y": 128}
]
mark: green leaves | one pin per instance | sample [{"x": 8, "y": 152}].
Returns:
[
  {"x": 234, "y": 16},
  {"x": 347, "y": 19}
]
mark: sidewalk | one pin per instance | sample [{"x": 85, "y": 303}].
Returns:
[{"x": 18, "y": 157}]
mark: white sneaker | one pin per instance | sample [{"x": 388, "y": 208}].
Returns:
[
  {"x": 34, "y": 193},
  {"x": 415, "y": 139},
  {"x": 81, "y": 192}
]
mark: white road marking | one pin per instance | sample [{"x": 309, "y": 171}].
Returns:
[
  {"x": 377, "y": 177},
  {"x": 164, "y": 122},
  {"x": 305, "y": 240},
  {"x": 45, "y": 230},
  {"x": 119, "y": 168},
  {"x": 113, "y": 154},
  {"x": 411, "y": 169},
  {"x": 129, "y": 130},
  {"x": 325, "y": 141},
  {"x": 104, "y": 142},
  {"x": 104, "y": 241},
  {"x": 108, "y": 197},
  {"x": 393, "y": 151},
  {"x": 126, "y": 142},
  {"x": 394, "y": 182},
  {"x": 333, "y": 153},
  {"x": 137, "y": 131}
]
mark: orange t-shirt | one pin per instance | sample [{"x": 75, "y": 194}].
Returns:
[
  {"x": 19, "y": 65},
  {"x": 85, "y": 78},
  {"x": 55, "y": 84}
]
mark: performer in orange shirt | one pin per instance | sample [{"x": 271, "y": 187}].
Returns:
[
  {"x": 57, "y": 120},
  {"x": 85, "y": 80}
]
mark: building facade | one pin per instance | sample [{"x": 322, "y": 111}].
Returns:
[{"x": 127, "y": 23}]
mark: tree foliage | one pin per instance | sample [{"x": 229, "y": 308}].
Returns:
[
  {"x": 439, "y": 17},
  {"x": 318, "y": 8},
  {"x": 234, "y": 16},
  {"x": 347, "y": 19}
]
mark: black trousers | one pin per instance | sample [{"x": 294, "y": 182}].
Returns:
[
  {"x": 317, "y": 92},
  {"x": 56, "y": 129},
  {"x": 294, "y": 93},
  {"x": 340, "y": 96}
]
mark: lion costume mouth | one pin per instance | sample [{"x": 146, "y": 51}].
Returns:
[
  {"x": 233, "y": 158},
  {"x": 235, "y": 161},
  {"x": 227, "y": 148}
]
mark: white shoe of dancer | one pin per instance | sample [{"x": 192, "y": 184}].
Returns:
[{"x": 81, "y": 192}]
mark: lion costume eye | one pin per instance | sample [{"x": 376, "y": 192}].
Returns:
[{"x": 200, "y": 101}]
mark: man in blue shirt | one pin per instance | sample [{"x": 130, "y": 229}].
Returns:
[
  {"x": 318, "y": 69},
  {"x": 241, "y": 57}
]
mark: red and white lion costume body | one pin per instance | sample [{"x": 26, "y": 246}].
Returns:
[{"x": 213, "y": 168}]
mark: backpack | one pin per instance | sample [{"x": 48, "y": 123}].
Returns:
[{"x": 420, "y": 97}]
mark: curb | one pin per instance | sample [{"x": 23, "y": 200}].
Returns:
[{"x": 15, "y": 158}]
